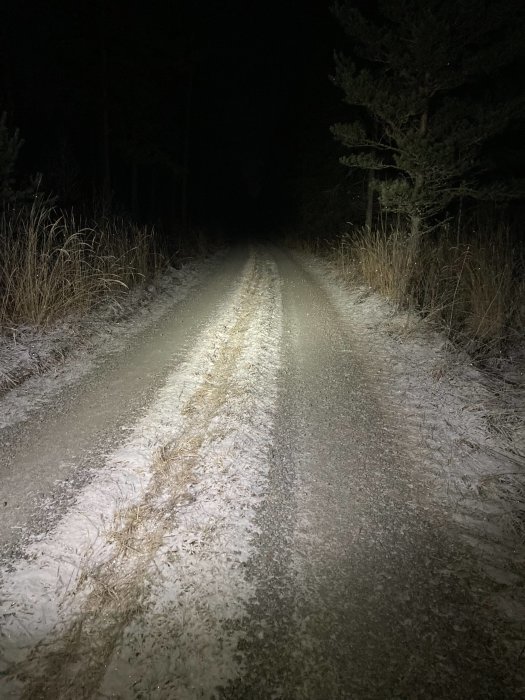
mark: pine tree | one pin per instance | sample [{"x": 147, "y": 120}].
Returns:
[{"x": 422, "y": 81}]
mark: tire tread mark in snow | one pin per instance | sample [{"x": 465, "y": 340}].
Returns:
[
  {"x": 73, "y": 663},
  {"x": 361, "y": 593}
]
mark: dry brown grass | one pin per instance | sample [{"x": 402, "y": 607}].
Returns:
[
  {"x": 474, "y": 290},
  {"x": 384, "y": 262},
  {"x": 52, "y": 265}
]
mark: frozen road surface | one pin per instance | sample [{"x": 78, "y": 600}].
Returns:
[{"x": 235, "y": 505}]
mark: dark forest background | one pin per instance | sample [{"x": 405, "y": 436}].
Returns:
[
  {"x": 174, "y": 112},
  {"x": 387, "y": 134},
  {"x": 215, "y": 113}
]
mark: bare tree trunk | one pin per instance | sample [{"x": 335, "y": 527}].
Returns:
[
  {"x": 105, "y": 136},
  {"x": 415, "y": 217},
  {"x": 104, "y": 127},
  {"x": 186, "y": 157},
  {"x": 153, "y": 193},
  {"x": 135, "y": 190},
  {"x": 415, "y": 226},
  {"x": 370, "y": 200}
]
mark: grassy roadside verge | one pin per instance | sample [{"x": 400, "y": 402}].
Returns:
[
  {"x": 467, "y": 421},
  {"x": 473, "y": 290},
  {"x": 68, "y": 286},
  {"x": 468, "y": 297},
  {"x": 53, "y": 266}
]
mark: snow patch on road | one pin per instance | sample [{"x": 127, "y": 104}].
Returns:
[
  {"x": 201, "y": 589},
  {"x": 36, "y": 364},
  {"x": 196, "y": 582}
]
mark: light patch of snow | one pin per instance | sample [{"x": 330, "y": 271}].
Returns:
[
  {"x": 197, "y": 578},
  {"x": 35, "y": 595},
  {"x": 468, "y": 427},
  {"x": 200, "y": 587},
  {"x": 37, "y": 364}
]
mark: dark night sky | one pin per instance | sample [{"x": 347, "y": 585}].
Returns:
[
  {"x": 265, "y": 73},
  {"x": 260, "y": 94},
  {"x": 127, "y": 92}
]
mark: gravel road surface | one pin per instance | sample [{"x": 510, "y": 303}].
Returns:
[{"x": 236, "y": 506}]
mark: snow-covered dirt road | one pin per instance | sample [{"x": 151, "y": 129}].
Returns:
[{"x": 239, "y": 504}]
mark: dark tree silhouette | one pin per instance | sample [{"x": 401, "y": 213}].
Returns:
[{"x": 423, "y": 77}]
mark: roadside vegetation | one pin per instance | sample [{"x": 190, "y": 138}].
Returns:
[
  {"x": 53, "y": 265},
  {"x": 69, "y": 268},
  {"x": 59, "y": 263},
  {"x": 427, "y": 201},
  {"x": 471, "y": 286}
]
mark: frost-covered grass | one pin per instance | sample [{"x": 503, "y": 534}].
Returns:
[
  {"x": 473, "y": 288},
  {"x": 38, "y": 362},
  {"x": 53, "y": 265}
]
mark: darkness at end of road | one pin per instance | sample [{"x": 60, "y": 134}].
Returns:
[
  {"x": 218, "y": 104},
  {"x": 213, "y": 114}
]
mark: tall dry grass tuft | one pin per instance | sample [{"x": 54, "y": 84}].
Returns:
[
  {"x": 473, "y": 289},
  {"x": 53, "y": 265},
  {"x": 384, "y": 262},
  {"x": 494, "y": 284}
]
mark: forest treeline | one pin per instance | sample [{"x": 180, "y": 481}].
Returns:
[
  {"x": 100, "y": 92},
  {"x": 428, "y": 206},
  {"x": 95, "y": 107},
  {"x": 403, "y": 152}
]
